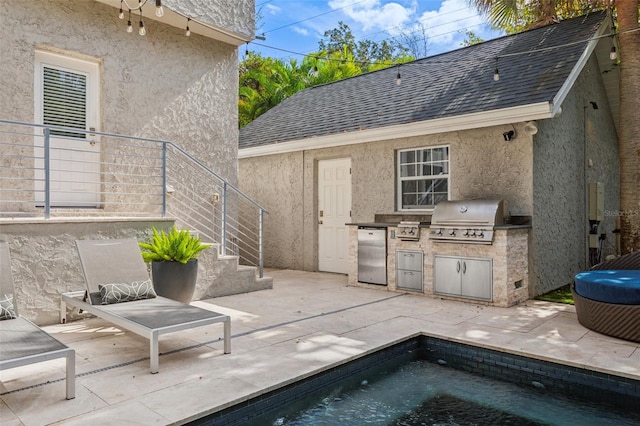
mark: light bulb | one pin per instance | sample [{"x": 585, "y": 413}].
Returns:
[
  {"x": 496, "y": 75},
  {"x": 315, "y": 71},
  {"x": 398, "y": 79},
  {"x": 142, "y": 31},
  {"x": 613, "y": 55},
  {"x": 129, "y": 27},
  {"x": 188, "y": 32},
  {"x": 121, "y": 14},
  {"x": 159, "y": 9}
]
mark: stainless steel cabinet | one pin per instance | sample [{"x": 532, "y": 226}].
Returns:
[
  {"x": 409, "y": 270},
  {"x": 463, "y": 277}
]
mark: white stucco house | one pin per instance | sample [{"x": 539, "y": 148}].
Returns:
[
  {"x": 529, "y": 118},
  {"x": 112, "y": 67}
]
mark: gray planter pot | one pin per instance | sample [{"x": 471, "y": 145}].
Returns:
[{"x": 175, "y": 280}]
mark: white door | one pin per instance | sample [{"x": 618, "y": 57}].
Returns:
[
  {"x": 334, "y": 205},
  {"x": 67, "y": 95}
]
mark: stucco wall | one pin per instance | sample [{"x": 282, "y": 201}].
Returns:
[
  {"x": 562, "y": 149},
  {"x": 234, "y": 15},
  {"x": 164, "y": 85},
  {"x": 483, "y": 165}
]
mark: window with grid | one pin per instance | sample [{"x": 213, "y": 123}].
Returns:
[{"x": 423, "y": 177}]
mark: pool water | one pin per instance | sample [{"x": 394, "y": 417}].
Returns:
[{"x": 421, "y": 392}]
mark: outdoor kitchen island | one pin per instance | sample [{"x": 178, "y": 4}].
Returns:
[{"x": 495, "y": 272}]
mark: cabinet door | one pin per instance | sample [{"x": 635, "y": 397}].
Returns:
[
  {"x": 477, "y": 278},
  {"x": 446, "y": 275}
]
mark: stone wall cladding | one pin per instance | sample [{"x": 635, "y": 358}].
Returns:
[
  {"x": 164, "y": 85},
  {"x": 561, "y": 174},
  {"x": 509, "y": 254}
]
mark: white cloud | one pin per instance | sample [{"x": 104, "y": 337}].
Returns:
[
  {"x": 372, "y": 14},
  {"x": 447, "y": 25},
  {"x": 272, "y": 9},
  {"x": 300, "y": 30}
]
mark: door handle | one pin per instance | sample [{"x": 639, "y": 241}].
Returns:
[
  {"x": 319, "y": 222},
  {"x": 458, "y": 266},
  {"x": 464, "y": 267}
]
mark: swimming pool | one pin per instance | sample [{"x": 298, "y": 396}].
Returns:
[{"x": 433, "y": 381}]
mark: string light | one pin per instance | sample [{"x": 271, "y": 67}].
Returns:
[
  {"x": 142, "y": 31},
  {"x": 188, "y": 31},
  {"x": 398, "y": 78},
  {"x": 613, "y": 55},
  {"x": 159, "y": 9},
  {"x": 496, "y": 73},
  {"x": 121, "y": 13},
  {"x": 129, "y": 26}
]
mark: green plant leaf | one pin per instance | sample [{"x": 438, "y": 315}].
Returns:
[{"x": 173, "y": 246}]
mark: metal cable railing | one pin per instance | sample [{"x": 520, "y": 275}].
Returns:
[{"x": 50, "y": 171}]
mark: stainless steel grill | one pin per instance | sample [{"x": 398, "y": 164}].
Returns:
[{"x": 467, "y": 221}]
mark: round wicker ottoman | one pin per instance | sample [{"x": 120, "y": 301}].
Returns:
[{"x": 608, "y": 301}]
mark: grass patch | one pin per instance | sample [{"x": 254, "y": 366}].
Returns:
[{"x": 560, "y": 295}]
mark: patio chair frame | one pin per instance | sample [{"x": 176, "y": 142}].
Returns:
[
  {"x": 27, "y": 331},
  {"x": 124, "y": 314}
]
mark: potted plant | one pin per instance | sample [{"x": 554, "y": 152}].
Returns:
[{"x": 174, "y": 262}]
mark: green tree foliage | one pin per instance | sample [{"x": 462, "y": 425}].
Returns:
[
  {"x": 471, "y": 39},
  {"x": 265, "y": 82}
]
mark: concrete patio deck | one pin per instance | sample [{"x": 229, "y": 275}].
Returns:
[{"x": 308, "y": 322}]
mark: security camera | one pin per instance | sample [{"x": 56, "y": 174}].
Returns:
[{"x": 509, "y": 135}]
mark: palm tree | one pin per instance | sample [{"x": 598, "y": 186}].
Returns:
[{"x": 512, "y": 15}]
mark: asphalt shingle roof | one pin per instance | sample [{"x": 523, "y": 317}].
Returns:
[{"x": 451, "y": 84}]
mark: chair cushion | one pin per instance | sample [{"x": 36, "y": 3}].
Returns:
[
  {"x": 121, "y": 292},
  {"x": 611, "y": 286},
  {"x": 7, "y": 310}
]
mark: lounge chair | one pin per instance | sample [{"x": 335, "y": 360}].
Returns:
[
  {"x": 115, "y": 261},
  {"x": 21, "y": 341}
]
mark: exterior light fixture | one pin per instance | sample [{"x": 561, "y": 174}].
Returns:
[
  {"x": 129, "y": 26},
  {"x": 613, "y": 55},
  {"x": 141, "y": 30},
  {"x": 159, "y": 9},
  {"x": 187, "y": 31}
]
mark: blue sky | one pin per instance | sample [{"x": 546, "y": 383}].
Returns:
[{"x": 298, "y": 25}]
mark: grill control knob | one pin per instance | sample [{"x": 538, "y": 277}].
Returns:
[
  {"x": 481, "y": 234},
  {"x": 466, "y": 233},
  {"x": 452, "y": 232},
  {"x": 439, "y": 232},
  {"x": 473, "y": 233}
]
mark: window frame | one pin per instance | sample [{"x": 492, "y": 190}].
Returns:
[{"x": 400, "y": 179}]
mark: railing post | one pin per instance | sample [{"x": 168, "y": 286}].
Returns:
[
  {"x": 164, "y": 179},
  {"x": 261, "y": 244},
  {"x": 224, "y": 220},
  {"x": 47, "y": 173}
]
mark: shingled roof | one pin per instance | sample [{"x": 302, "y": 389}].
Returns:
[{"x": 533, "y": 67}]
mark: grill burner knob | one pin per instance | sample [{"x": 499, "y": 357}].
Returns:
[
  {"x": 466, "y": 233},
  {"x": 439, "y": 232},
  {"x": 473, "y": 233},
  {"x": 452, "y": 232},
  {"x": 481, "y": 234}
]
